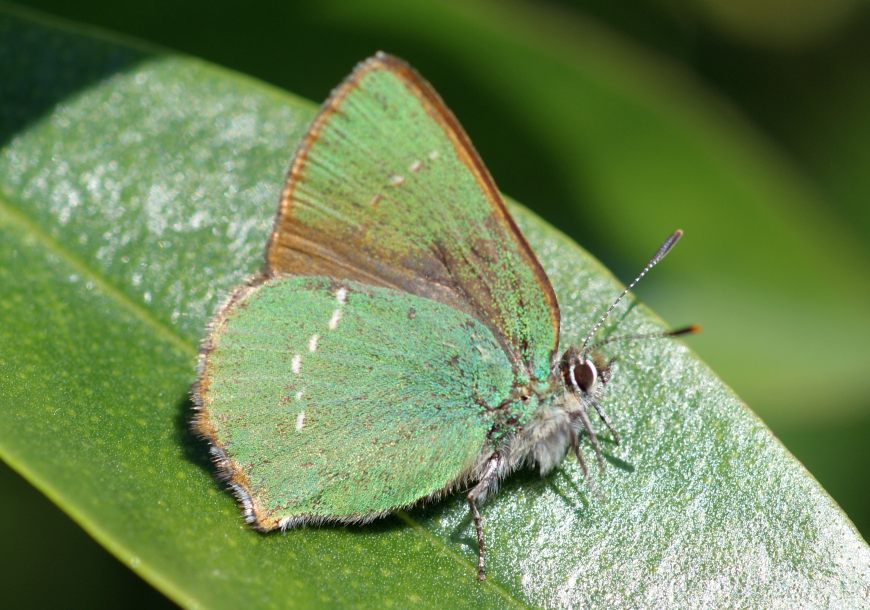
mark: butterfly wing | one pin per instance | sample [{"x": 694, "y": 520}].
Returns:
[
  {"x": 342, "y": 401},
  {"x": 387, "y": 189}
]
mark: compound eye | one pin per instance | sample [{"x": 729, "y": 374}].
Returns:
[{"x": 585, "y": 375}]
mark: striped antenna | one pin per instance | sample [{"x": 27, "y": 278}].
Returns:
[
  {"x": 670, "y": 242},
  {"x": 688, "y": 330}
]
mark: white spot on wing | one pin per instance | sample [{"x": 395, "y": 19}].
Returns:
[
  {"x": 300, "y": 421},
  {"x": 333, "y": 321},
  {"x": 296, "y": 364},
  {"x": 433, "y": 155},
  {"x": 397, "y": 180},
  {"x": 299, "y": 394},
  {"x": 341, "y": 295},
  {"x": 416, "y": 165},
  {"x": 312, "y": 343}
]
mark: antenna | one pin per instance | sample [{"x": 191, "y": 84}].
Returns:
[
  {"x": 692, "y": 329},
  {"x": 670, "y": 242}
]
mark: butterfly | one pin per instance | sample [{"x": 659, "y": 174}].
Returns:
[{"x": 402, "y": 339}]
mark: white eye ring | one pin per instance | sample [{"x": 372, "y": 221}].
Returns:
[{"x": 584, "y": 378}]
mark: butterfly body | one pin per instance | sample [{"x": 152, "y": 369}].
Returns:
[
  {"x": 402, "y": 339},
  {"x": 371, "y": 400}
]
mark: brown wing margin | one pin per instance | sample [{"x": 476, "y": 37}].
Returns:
[{"x": 327, "y": 263}]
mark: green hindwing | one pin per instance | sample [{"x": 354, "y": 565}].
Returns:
[{"x": 330, "y": 400}]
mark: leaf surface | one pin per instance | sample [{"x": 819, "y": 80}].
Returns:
[{"x": 138, "y": 187}]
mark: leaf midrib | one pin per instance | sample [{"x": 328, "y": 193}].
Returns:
[{"x": 168, "y": 333}]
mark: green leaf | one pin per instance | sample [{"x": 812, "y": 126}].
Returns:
[{"x": 138, "y": 187}]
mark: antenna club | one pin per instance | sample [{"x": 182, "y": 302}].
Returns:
[
  {"x": 670, "y": 242},
  {"x": 692, "y": 329}
]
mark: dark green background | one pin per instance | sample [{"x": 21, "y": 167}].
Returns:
[{"x": 798, "y": 73}]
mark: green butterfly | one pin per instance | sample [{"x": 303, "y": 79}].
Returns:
[{"x": 402, "y": 340}]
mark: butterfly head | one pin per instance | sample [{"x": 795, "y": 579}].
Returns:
[
  {"x": 583, "y": 371},
  {"x": 583, "y": 374}
]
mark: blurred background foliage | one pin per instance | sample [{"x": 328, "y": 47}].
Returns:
[{"x": 744, "y": 122}]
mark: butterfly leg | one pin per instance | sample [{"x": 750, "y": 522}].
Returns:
[
  {"x": 593, "y": 438},
  {"x": 575, "y": 445},
  {"x": 478, "y": 495},
  {"x": 606, "y": 421},
  {"x": 606, "y": 371}
]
